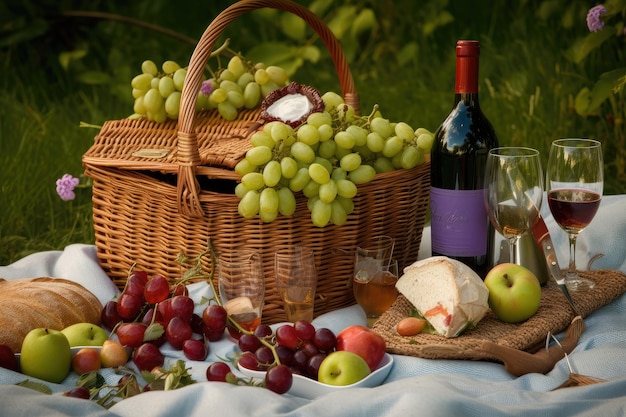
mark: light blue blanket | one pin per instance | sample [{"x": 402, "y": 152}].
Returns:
[{"x": 415, "y": 386}]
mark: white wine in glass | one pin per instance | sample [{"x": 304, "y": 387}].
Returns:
[
  {"x": 513, "y": 192},
  {"x": 574, "y": 183},
  {"x": 296, "y": 280}
]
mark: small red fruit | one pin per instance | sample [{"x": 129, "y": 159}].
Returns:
[
  {"x": 212, "y": 335},
  {"x": 78, "y": 392},
  {"x": 113, "y": 354},
  {"x": 182, "y": 306},
  {"x": 279, "y": 379},
  {"x": 217, "y": 371},
  {"x": 179, "y": 289},
  {"x": 7, "y": 358},
  {"x": 286, "y": 336},
  {"x": 325, "y": 339},
  {"x": 135, "y": 285},
  {"x": 215, "y": 317},
  {"x": 195, "y": 350},
  {"x": 156, "y": 290},
  {"x": 131, "y": 334},
  {"x": 129, "y": 306},
  {"x": 177, "y": 331},
  {"x": 86, "y": 360},
  {"x": 147, "y": 356},
  {"x": 141, "y": 275},
  {"x": 109, "y": 315},
  {"x": 164, "y": 309}
]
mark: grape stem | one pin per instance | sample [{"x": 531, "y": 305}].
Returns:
[
  {"x": 197, "y": 272},
  {"x": 217, "y": 52},
  {"x": 372, "y": 114},
  {"x": 240, "y": 329}
]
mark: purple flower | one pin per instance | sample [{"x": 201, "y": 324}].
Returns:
[
  {"x": 207, "y": 87},
  {"x": 594, "y": 21},
  {"x": 65, "y": 187}
]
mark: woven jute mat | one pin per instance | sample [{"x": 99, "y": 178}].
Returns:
[{"x": 554, "y": 315}]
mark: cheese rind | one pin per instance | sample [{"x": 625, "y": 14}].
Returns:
[{"x": 449, "y": 294}]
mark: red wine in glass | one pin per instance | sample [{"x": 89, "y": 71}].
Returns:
[
  {"x": 574, "y": 183},
  {"x": 573, "y": 209}
]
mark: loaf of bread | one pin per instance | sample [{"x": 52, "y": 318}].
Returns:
[
  {"x": 449, "y": 294},
  {"x": 55, "y": 303}
]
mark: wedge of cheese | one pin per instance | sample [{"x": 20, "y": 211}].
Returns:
[{"x": 449, "y": 294}]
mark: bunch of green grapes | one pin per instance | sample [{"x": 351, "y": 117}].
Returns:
[
  {"x": 157, "y": 94},
  {"x": 326, "y": 158},
  {"x": 239, "y": 85}
]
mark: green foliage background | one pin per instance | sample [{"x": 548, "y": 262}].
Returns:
[{"x": 61, "y": 67}]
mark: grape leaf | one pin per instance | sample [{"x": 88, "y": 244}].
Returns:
[{"x": 609, "y": 83}]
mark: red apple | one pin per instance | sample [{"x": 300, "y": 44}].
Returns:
[
  {"x": 364, "y": 342},
  {"x": 86, "y": 360}
]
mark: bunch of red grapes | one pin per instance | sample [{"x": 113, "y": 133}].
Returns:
[
  {"x": 297, "y": 348},
  {"x": 150, "y": 312}
]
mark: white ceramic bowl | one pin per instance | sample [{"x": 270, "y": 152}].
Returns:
[{"x": 309, "y": 388}]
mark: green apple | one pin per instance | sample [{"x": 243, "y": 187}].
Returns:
[
  {"x": 514, "y": 292},
  {"x": 342, "y": 368},
  {"x": 85, "y": 334},
  {"x": 46, "y": 355}
]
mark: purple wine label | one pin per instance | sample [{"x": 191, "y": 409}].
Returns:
[{"x": 458, "y": 222}]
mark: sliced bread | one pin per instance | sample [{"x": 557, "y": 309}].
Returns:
[{"x": 449, "y": 294}]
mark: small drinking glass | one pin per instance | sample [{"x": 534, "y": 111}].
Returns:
[
  {"x": 242, "y": 287},
  {"x": 296, "y": 281},
  {"x": 574, "y": 183},
  {"x": 377, "y": 294},
  {"x": 375, "y": 276},
  {"x": 513, "y": 192}
]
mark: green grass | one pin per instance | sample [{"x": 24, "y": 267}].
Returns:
[
  {"x": 527, "y": 92},
  {"x": 41, "y": 140}
]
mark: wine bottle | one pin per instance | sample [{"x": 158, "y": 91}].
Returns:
[{"x": 459, "y": 220}]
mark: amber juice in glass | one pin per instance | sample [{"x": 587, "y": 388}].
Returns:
[{"x": 375, "y": 296}]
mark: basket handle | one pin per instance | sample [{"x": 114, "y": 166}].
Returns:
[{"x": 188, "y": 154}]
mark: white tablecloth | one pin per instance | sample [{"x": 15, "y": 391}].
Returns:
[{"x": 414, "y": 386}]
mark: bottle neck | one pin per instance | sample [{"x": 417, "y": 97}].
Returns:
[
  {"x": 469, "y": 99},
  {"x": 467, "y": 71}
]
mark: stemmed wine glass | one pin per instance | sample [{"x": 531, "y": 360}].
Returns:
[
  {"x": 574, "y": 183},
  {"x": 513, "y": 192}
]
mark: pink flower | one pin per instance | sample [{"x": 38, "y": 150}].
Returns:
[
  {"x": 206, "y": 87},
  {"x": 65, "y": 187},
  {"x": 594, "y": 20}
]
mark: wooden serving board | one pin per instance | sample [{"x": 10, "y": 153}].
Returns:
[{"x": 554, "y": 316}]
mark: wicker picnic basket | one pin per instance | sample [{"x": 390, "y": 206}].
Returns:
[{"x": 160, "y": 189}]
